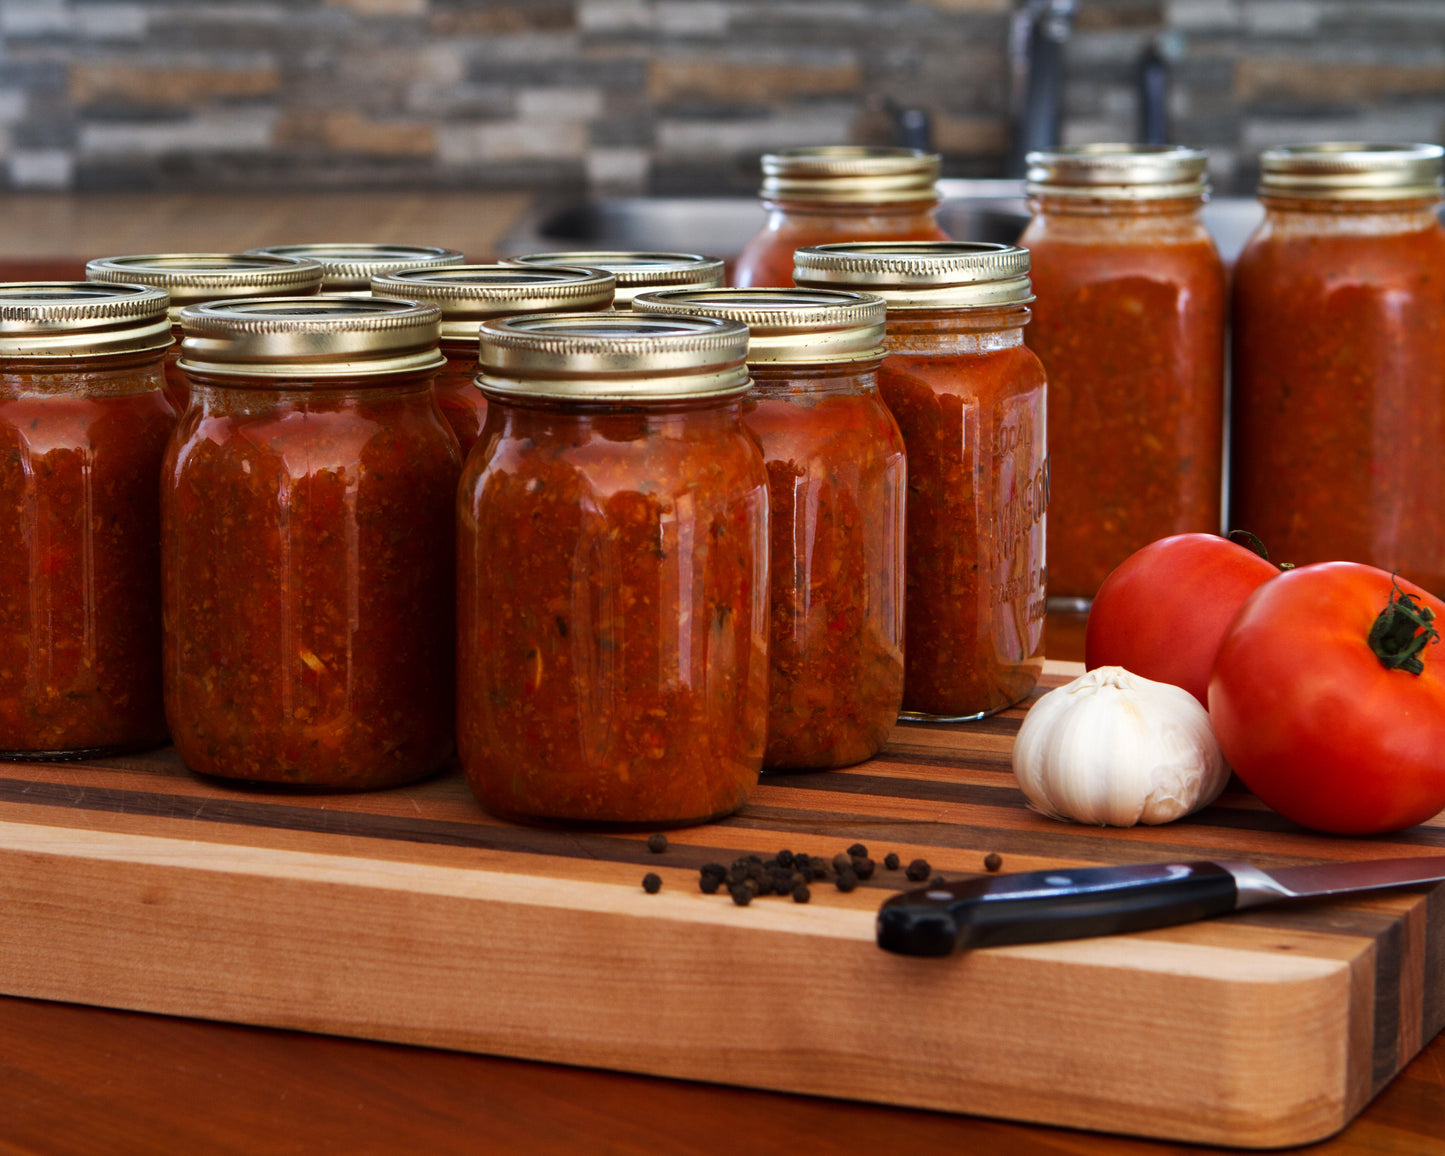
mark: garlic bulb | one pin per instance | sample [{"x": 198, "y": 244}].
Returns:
[{"x": 1116, "y": 749}]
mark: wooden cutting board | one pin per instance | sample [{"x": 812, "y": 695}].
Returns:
[{"x": 410, "y": 915}]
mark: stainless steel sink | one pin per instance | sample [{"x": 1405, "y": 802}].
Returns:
[{"x": 720, "y": 226}]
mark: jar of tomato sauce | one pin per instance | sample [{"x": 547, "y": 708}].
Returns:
[
  {"x": 349, "y": 267},
  {"x": 308, "y": 504},
  {"x": 836, "y": 484},
  {"x": 83, "y": 426},
  {"x": 969, "y": 397},
  {"x": 1129, "y": 324},
  {"x": 639, "y": 272},
  {"x": 191, "y": 278},
  {"x": 831, "y": 193},
  {"x": 1338, "y": 421},
  {"x": 467, "y": 295},
  {"x": 613, "y": 573}
]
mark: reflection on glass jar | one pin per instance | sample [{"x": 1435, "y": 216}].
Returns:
[
  {"x": 836, "y": 473},
  {"x": 308, "y": 511},
  {"x": 612, "y": 580},
  {"x": 83, "y": 425},
  {"x": 970, "y": 400}
]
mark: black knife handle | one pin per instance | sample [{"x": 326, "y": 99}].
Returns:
[{"x": 1068, "y": 903}]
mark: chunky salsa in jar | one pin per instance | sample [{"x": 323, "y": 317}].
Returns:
[
  {"x": 639, "y": 272},
  {"x": 612, "y": 574},
  {"x": 1129, "y": 325},
  {"x": 83, "y": 426},
  {"x": 833, "y": 193},
  {"x": 1338, "y": 423},
  {"x": 348, "y": 267},
  {"x": 467, "y": 295},
  {"x": 191, "y": 278},
  {"x": 308, "y": 502},
  {"x": 970, "y": 400},
  {"x": 836, "y": 475}
]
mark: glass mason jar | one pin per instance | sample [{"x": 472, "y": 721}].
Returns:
[
  {"x": 836, "y": 476},
  {"x": 612, "y": 574},
  {"x": 348, "y": 268},
  {"x": 467, "y": 295},
  {"x": 191, "y": 278},
  {"x": 1130, "y": 326},
  {"x": 969, "y": 397},
  {"x": 831, "y": 193},
  {"x": 1338, "y": 421},
  {"x": 83, "y": 426},
  {"x": 639, "y": 272},
  {"x": 308, "y": 504}
]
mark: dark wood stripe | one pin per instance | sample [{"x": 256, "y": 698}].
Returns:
[
  {"x": 1432, "y": 1011},
  {"x": 1385, "y": 1055},
  {"x": 923, "y": 790}
]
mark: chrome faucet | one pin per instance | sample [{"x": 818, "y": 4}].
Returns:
[{"x": 1038, "y": 31}]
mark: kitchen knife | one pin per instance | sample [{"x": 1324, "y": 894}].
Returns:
[{"x": 1075, "y": 902}]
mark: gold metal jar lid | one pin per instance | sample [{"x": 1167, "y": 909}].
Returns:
[
  {"x": 310, "y": 337},
  {"x": 803, "y": 326},
  {"x": 631, "y": 357},
  {"x": 70, "y": 319},
  {"x": 349, "y": 268},
  {"x": 920, "y": 274},
  {"x": 638, "y": 272},
  {"x": 849, "y": 174},
  {"x": 190, "y": 278},
  {"x": 1119, "y": 172},
  {"x": 1352, "y": 171},
  {"x": 470, "y": 294}
]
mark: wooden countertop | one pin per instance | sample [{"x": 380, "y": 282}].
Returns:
[
  {"x": 49, "y": 226},
  {"x": 79, "y": 1079}
]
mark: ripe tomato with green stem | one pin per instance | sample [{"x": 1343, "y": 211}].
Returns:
[
  {"x": 1327, "y": 697},
  {"x": 1163, "y": 610}
]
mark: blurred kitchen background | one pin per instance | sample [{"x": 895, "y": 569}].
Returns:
[{"x": 568, "y": 98}]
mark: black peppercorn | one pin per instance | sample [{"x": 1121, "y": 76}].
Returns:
[
  {"x": 742, "y": 895},
  {"x": 709, "y": 884},
  {"x": 938, "y": 881},
  {"x": 890, "y": 860},
  {"x": 862, "y": 867},
  {"x": 785, "y": 858},
  {"x": 717, "y": 870},
  {"x": 846, "y": 881},
  {"x": 918, "y": 870},
  {"x": 657, "y": 843},
  {"x": 801, "y": 894},
  {"x": 992, "y": 861},
  {"x": 842, "y": 862},
  {"x": 858, "y": 851},
  {"x": 652, "y": 883}
]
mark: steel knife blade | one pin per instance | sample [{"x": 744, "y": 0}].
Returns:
[{"x": 1075, "y": 902}]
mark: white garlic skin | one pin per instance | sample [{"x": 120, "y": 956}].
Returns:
[{"x": 1115, "y": 749}]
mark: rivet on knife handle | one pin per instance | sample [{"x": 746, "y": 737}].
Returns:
[{"x": 1070, "y": 903}]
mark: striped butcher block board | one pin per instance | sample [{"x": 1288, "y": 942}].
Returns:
[{"x": 410, "y": 915}]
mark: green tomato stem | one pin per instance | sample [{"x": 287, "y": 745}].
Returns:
[{"x": 1402, "y": 630}]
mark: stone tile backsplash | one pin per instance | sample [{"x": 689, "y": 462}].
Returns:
[{"x": 663, "y": 96}]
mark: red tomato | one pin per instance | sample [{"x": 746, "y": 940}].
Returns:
[
  {"x": 1310, "y": 718},
  {"x": 1163, "y": 610}
]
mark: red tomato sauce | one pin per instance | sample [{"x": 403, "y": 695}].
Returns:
[
  {"x": 768, "y": 258},
  {"x": 1131, "y": 334},
  {"x": 462, "y": 403},
  {"x": 80, "y": 616},
  {"x": 308, "y": 563},
  {"x": 836, "y": 473},
  {"x": 612, "y": 612},
  {"x": 1338, "y": 424},
  {"x": 978, "y": 486}
]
